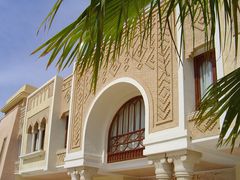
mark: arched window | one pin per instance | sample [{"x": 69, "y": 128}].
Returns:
[
  {"x": 35, "y": 138},
  {"x": 126, "y": 132},
  {"x": 29, "y": 139},
  {"x": 42, "y": 133}
]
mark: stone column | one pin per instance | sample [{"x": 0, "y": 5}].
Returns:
[
  {"x": 83, "y": 173},
  {"x": 40, "y": 138},
  {"x": 163, "y": 167},
  {"x": 87, "y": 173},
  {"x": 33, "y": 141},
  {"x": 74, "y": 175},
  {"x": 184, "y": 164}
]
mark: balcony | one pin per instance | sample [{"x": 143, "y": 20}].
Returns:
[{"x": 33, "y": 156}]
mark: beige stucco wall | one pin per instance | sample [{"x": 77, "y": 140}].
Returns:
[
  {"x": 228, "y": 55},
  {"x": 49, "y": 102},
  {"x": 192, "y": 49},
  {"x": 9, "y": 130},
  {"x": 155, "y": 70},
  {"x": 66, "y": 94},
  {"x": 39, "y": 106}
]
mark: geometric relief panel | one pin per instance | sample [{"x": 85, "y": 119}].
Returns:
[
  {"x": 138, "y": 56},
  {"x": 165, "y": 79},
  {"x": 77, "y": 112},
  {"x": 82, "y": 91},
  {"x": 151, "y": 56}
]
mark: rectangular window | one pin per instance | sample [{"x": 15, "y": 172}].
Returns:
[{"x": 204, "y": 74}]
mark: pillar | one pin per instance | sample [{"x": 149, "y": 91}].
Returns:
[
  {"x": 163, "y": 167},
  {"x": 40, "y": 138},
  {"x": 83, "y": 173},
  {"x": 87, "y": 173},
  {"x": 184, "y": 164},
  {"x": 74, "y": 175},
  {"x": 33, "y": 141}
]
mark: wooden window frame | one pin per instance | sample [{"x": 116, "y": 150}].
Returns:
[
  {"x": 124, "y": 139},
  {"x": 198, "y": 61}
]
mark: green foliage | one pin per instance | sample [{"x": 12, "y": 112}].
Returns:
[
  {"x": 223, "y": 97},
  {"x": 107, "y": 27}
]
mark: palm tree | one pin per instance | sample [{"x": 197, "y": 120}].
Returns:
[{"x": 102, "y": 27}]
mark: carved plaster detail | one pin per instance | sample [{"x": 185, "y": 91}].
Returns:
[
  {"x": 77, "y": 111},
  {"x": 154, "y": 57},
  {"x": 42, "y": 95},
  {"x": 60, "y": 158},
  {"x": 66, "y": 89},
  {"x": 165, "y": 73}
]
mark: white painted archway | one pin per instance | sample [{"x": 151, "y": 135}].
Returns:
[{"x": 100, "y": 114}]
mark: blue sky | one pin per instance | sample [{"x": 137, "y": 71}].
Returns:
[{"x": 19, "y": 21}]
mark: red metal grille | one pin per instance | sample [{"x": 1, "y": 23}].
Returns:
[{"x": 126, "y": 133}]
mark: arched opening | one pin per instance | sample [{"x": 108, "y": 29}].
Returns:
[
  {"x": 126, "y": 133},
  {"x": 102, "y": 112},
  {"x": 29, "y": 139},
  {"x": 35, "y": 145},
  {"x": 42, "y": 133}
]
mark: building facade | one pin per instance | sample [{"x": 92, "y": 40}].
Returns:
[{"x": 137, "y": 125}]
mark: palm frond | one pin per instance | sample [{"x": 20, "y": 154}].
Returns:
[
  {"x": 50, "y": 17},
  {"x": 107, "y": 27},
  {"x": 106, "y": 22},
  {"x": 222, "y": 97}
]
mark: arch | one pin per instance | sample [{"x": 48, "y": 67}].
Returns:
[
  {"x": 98, "y": 120},
  {"x": 43, "y": 123},
  {"x": 42, "y": 133},
  {"x": 35, "y": 137},
  {"x": 29, "y": 130},
  {"x": 35, "y": 127},
  {"x": 126, "y": 132}
]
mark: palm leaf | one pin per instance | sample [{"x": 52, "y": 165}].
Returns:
[
  {"x": 107, "y": 27},
  {"x": 51, "y": 15},
  {"x": 222, "y": 97}
]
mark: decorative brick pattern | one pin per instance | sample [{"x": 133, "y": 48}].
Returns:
[
  {"x": 154, "y": 67},
  {"x": 165, "y": 91},
  {"x": 60, "y": 158},
  {"x": 77, "y": 112},
  {"x": 66, "y": 89},
  {"x": 42, "y": 95}
]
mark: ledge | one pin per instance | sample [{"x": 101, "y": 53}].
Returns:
[
  {"x": 33, "y": 155},
  {"x": 61, "y": 151},
  {"x": 22, "y": 93}
]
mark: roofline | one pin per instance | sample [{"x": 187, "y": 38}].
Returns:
[{"x": 22, "y": 93}]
